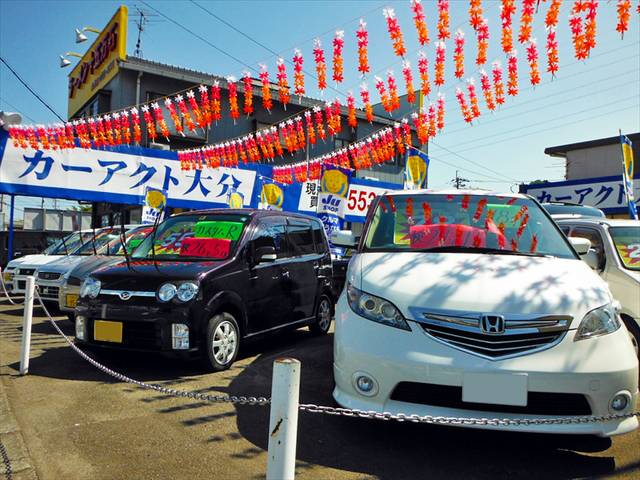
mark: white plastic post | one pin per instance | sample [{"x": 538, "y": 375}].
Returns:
[
  {"x": 27, "y": 319},
  {"x": 283, "y": 421}
]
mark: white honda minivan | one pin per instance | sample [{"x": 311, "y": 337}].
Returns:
[{"x": 471, "y": 304}]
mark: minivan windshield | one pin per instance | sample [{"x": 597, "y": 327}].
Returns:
[
  {"x": 627, "y": 242},
  {"x": 194, "y": 238},
  {"x": 72, "y": 242},
  {"x": 465, "y": 223}
]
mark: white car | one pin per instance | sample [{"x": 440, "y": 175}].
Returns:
[
  {"x": 16, "y": 272},
  {"x": 51, "y": 276},
  {"x": 470, "y": 304},
  {"x": 616, "y": 248}
]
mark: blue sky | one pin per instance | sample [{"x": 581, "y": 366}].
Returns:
[{"x": 588, "y": 99}]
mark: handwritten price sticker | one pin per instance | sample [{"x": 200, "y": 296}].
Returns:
[
  {"x": 215, "y": 229},
  {"x": 205, "y": 247}
]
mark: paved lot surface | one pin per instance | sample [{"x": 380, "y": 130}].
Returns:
[{"x": 77, "y": 422}]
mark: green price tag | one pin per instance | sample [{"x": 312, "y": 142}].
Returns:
[{"x": 213, "y": 229}]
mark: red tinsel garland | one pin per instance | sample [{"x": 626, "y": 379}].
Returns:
[
  {"x": 507, "y": 10},
  {"x": 408, "y": 81},
  {"x": 267, "y": 103},
  {"x": 443, "y": 20},
  {"x": 440, "y": 58},
  {"x": 394, "y": 32},
  {"x": 458, "y": 54},
  {"x": 419, "y": 21},
  {"x": 338, "y": 61},
  {"x": 498, "y": 85},
  {"x": 363, "y": 46},
  {"x": 321, "y": 65},
  {"x": 423, "y": 69},
  {"x": 366, "y": 100}
]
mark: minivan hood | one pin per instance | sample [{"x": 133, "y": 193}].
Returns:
[
  {"x": 482, "y": 283},
  {"x": 33, "y": 261},
  {"x": 62, "y": 264},
  {"x": 147, "y": 275}
]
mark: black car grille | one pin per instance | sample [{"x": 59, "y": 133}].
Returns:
[
  {"x": 26, "y": 271},
  {"x": 495, "y": 336},
  {"x": 538, "y": 403},
  {"x": 48, "y": 275}
]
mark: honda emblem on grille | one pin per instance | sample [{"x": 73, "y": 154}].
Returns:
[
  {"x": 124, "y": 295},
  {"x": 492, "y": 324}
]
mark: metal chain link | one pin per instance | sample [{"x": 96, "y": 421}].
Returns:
[
  {"x": 437, "y": 420},
  {"x": 4, "y": 289},
  {"x": 241, "y": 400},
  {"x": 8, "y": 470}
]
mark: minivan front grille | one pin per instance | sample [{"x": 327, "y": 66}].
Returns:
[
  {"x": 48, "y": 275},
  {"x": 26, "y": 271},
  {"x": 515, "y": 335}
]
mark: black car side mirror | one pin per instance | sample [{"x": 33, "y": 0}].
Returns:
[{"x": 265, "y": 254}]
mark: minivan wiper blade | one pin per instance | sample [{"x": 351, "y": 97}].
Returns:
[{"x": 462, "y": 249}]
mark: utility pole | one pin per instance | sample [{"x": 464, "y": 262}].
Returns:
[{"x": 459, "y": 182}]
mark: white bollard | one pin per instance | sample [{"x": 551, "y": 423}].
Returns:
[
  {"x": 26, "y": 325},
  {"x": 283, "y": 421}
]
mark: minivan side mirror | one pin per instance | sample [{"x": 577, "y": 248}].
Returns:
[
  {"x": 343, "y": 238},
  {"x": 592, "y": 259},
  {"x": 581, "y": 245},
  {"x": 265, "y": 254}
]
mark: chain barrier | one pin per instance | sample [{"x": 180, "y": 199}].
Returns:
[
  {"x": 435, "y": 420},
  {"x": 8, "y": 470},
  {"x": 4, "y": 289},
  {"x": 345, "y": 412},
  {"x": 241, "y": 400}
]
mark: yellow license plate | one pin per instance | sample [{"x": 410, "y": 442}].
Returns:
[
  {"x": 72, "y": 300},
  {"x": 104, "y": 331}
]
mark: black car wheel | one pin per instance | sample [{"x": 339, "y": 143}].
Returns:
[
  {"x": 324, "y": 314},
  {"x": 72, "y": 318},
  {"x": 634, "y": 333},
  {"x": 223, "y": 341}
]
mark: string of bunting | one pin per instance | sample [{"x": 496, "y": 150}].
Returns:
[{"x": 200, "y": 109}]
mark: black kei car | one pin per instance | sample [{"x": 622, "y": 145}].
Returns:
[{"x": 214, "y": 279}]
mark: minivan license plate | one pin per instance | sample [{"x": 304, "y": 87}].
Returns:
[
  {"x": 495, "y": 388},
  {"x": 104, "y": 331}
]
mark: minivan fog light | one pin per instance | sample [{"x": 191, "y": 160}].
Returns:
[
  {"x": 620, "y": 402},
  {"x": 365, "y": 384},
  {"x": 80, "y": 327},
  {"x": 180, "y": 336}
]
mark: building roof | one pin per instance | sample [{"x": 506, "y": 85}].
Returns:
[
  {"x": 197, "y": 77},
  {"x": 562, "y": 150}
]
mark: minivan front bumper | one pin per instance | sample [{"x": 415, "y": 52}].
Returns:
[{"x": 417, "y": 375}]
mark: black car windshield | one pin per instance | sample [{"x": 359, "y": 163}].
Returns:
[
  {"x": 627, "y": 242},
  {"x": 133, "y": 238},
  {"x": 194, "y": 237},
  {"x": 465, "y": 223}
]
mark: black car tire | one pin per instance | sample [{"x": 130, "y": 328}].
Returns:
[
  {"x": 222, "y": 329},
  {"x": 72, "y": 318},
  {"x": 324, "y": 315}
]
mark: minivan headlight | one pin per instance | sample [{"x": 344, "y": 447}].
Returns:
[
  {"x": 90, "y": 288},
  {"x": 375, "y": 308},
  {"x": 186, "y": 291},
  {"x": 600, "y": 321}
]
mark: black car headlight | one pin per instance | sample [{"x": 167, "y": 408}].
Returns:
[
  {"x": 183, "y": 291},
  {"x": 375, "y": 308}
]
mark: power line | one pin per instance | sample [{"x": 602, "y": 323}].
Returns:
[
  {"x": 199, "y": 37},
  {"x": 16, "y": 109},
  {"x": 553, "y": 127},
  {"x": 536, "y": 109},
  {"x": 260, "y": 44},
  {"x": 30, "y": 89}
]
